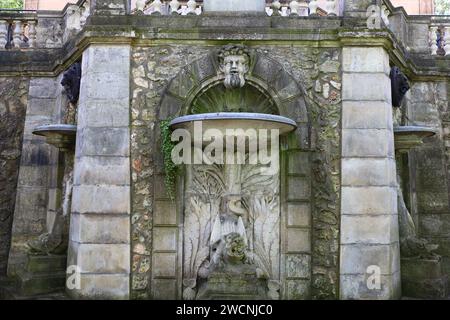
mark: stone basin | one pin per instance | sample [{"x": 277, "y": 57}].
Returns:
[
  {"x": 224, "y": 121},
  {"x": 408, "y": 137},
  {"x": 61, "y": 136}
]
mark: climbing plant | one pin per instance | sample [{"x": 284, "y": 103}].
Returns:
[
  {"x": 171, "y": 169},
  {"x": 11, "y": 4}
]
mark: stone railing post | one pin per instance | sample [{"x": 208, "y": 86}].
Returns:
[
  {"x": 370, "y": 254},
  {"x": 447, "y": 40},
  {"x": 3, "y": 33},
  {"x": 313, "y": 5},
  {"x": 17, "y": 34},
  {"x": 331, "y": 7},
  {"x": 32, "y": 33},
  {"x": 433, "y": 40}
]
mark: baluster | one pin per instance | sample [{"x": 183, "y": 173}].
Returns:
[
  {"x": 313, "y": 5},
  {"x": 294, "y": 6},
  {"x": 174, "y": 7},
  {"x": 303, "y": 9},
  {"x": 17, "y": 35},
  {"x": 447, "y": 40},
  {"x": 331, "y": 7},
  {"x": 156, "y": 6},
  {"x": 385, "y": 14},
  {"x": 85, "y": 12},
  {"x": 3, "y": 33},
  {"x": 32, "y": 33},
  {"x": 191, "y": 7},
  {"x": 140, "y": 6},
  {"x": 433, "y": 40},
  {"x": 276, "y": 6}
]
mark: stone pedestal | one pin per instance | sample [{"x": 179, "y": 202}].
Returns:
[
  {"x": 42, "y": 274},
  {"x": 423, "y": 278}
]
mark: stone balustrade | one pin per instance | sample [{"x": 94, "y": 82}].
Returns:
[
  {"x": 273, "y": 8},
  {"x": 17, "y": 33},
  {"x": 440, "y": 40}
]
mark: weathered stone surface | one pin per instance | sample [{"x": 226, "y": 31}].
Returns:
[
  {"x": 365, "y": 60},
  {"x": 103, "y": 286},
  {"x": 13, "y": 104},
  {"x": 100, "y": 229},
  {"x": 103, "y": 258},
  {"x": 369, "y": 200},
  {"x": 365, "y": 171},
  {"x": 378, "y": 229},
  {"x": 102, "y": 199},
  {"x": 367, "y": 143},
  {"x": 367, "y": 115}
]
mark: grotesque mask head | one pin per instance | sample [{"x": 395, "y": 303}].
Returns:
[
  {"x": 399, "y": 85},
  {"x": 71, "y": 82},
  {"x": 234, "y": 64}
]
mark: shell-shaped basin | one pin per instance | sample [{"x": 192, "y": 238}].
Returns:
[
  {"x": 408, "y": 137},
  {"x": 61, "y": 136}
]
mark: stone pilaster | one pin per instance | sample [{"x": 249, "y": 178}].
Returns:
[
  {"x": 100, "y": 223},
  {"x": 369, "y": 225}
]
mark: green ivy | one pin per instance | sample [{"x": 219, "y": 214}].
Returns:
[
  {"x": 11, "y": 4},
  {"x": 171, "y": 169}
]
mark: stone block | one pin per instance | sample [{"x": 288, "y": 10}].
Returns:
[
  {"x": 165, "y": 213},
  {"x": 435, "y": 225},
  {"x": 33, "y": 176},
  {"x": 298, "y": 289},
  {"x": 299, "y": 188},
  {"x": 43, "y": 88},
  {"x": 366, "y": 87},
  {"x": 366, "y": 115},
  {"x": 165, "y": 239},
  {"x": 103, "y": 142},
  {"x": 367, "y": 143},
  {"x": 369, "y": 200},
  {"x": 299, "y": 163},
  {"x": 40, "y": 106},
  {"x": 298, "y": 266},
  {"x": 298, "y": 214},
  {"x": 355, "y": 287},
  {"x": 357, "y": 258},
  {"x": 100, "y": 229},
  {"x": 298, "y": 240},
  {"x": 164, "y": 264},
  {"x": 113, "y": 59},
  {"x": 105, "y": 87},
  {"x": 164, "y": 289},
  {"x": 102, "y": 170},
  {"x": 361, "y": 59},
  {"x": 368, "y": 172},
  {"x": 421, "y": 269},
  {"x": 103, "y": 287},
  {"x": 360, "y": 229},
  {"x": 104, "y": 258},
  {"x": 101, "y": 199},
  {"x": 114, "y": 113}
]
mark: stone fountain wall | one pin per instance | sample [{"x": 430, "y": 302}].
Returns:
[
  {"x": 13, "y": 105},
  {"x": 155, "y": 238}
]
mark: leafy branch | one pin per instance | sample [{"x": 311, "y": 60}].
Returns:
[{"x": 171, "y": 169}]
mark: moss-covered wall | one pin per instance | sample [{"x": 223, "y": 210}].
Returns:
[
  {"x": 13, "y": 105},
  {"x": 317, "y": 70}
]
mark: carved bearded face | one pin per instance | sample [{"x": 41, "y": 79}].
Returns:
[{"x": 234, "y": 67}]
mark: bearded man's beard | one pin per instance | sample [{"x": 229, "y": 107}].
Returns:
[{"x": 234, "y": 80}]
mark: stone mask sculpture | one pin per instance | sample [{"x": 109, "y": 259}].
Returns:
[
  {"x": 71, "y": 82},
  {"x": 234, "y": 63},
  {"x": 399, "y": 85}
]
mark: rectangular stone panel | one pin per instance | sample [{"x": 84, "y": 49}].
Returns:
[
  {"x": 102, "y": 199},
  {"x": 104, "y": 258},
  {"x": 298, "y": 240},
  {"x": 359, "y": 257},
  {"x": 164, "y": 289},
  {"x": 367, "y": 143},
  {"x": 103, "y": 286},
  {"x": 366, "y": 87},
  {"x": 298, "y": 289},
  {"x": 366, "y": 115},
  {"x": 102, "y": 170},
  {"x": 298, "y": 188},
  {"x": 378, "y": 229},
  {"x": 106, "y": 59},
  {"x": 103, "y": 142},
  {"x": 299, "y": 163},
  {"x": 299, "y": 214},
  {"x": 298, "y": 266},
  {"x": 113, "y": 113},
  {"x": 369, "y": 200},
  {"x": 100, "y": 229},
  {"x": 368, "y": 172},
  {"x": 164, "y": 264},
  {"x": 165, "y": 213},
  {"x": 165, "y": 239},
  {"x": 364, "y": 59}
]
